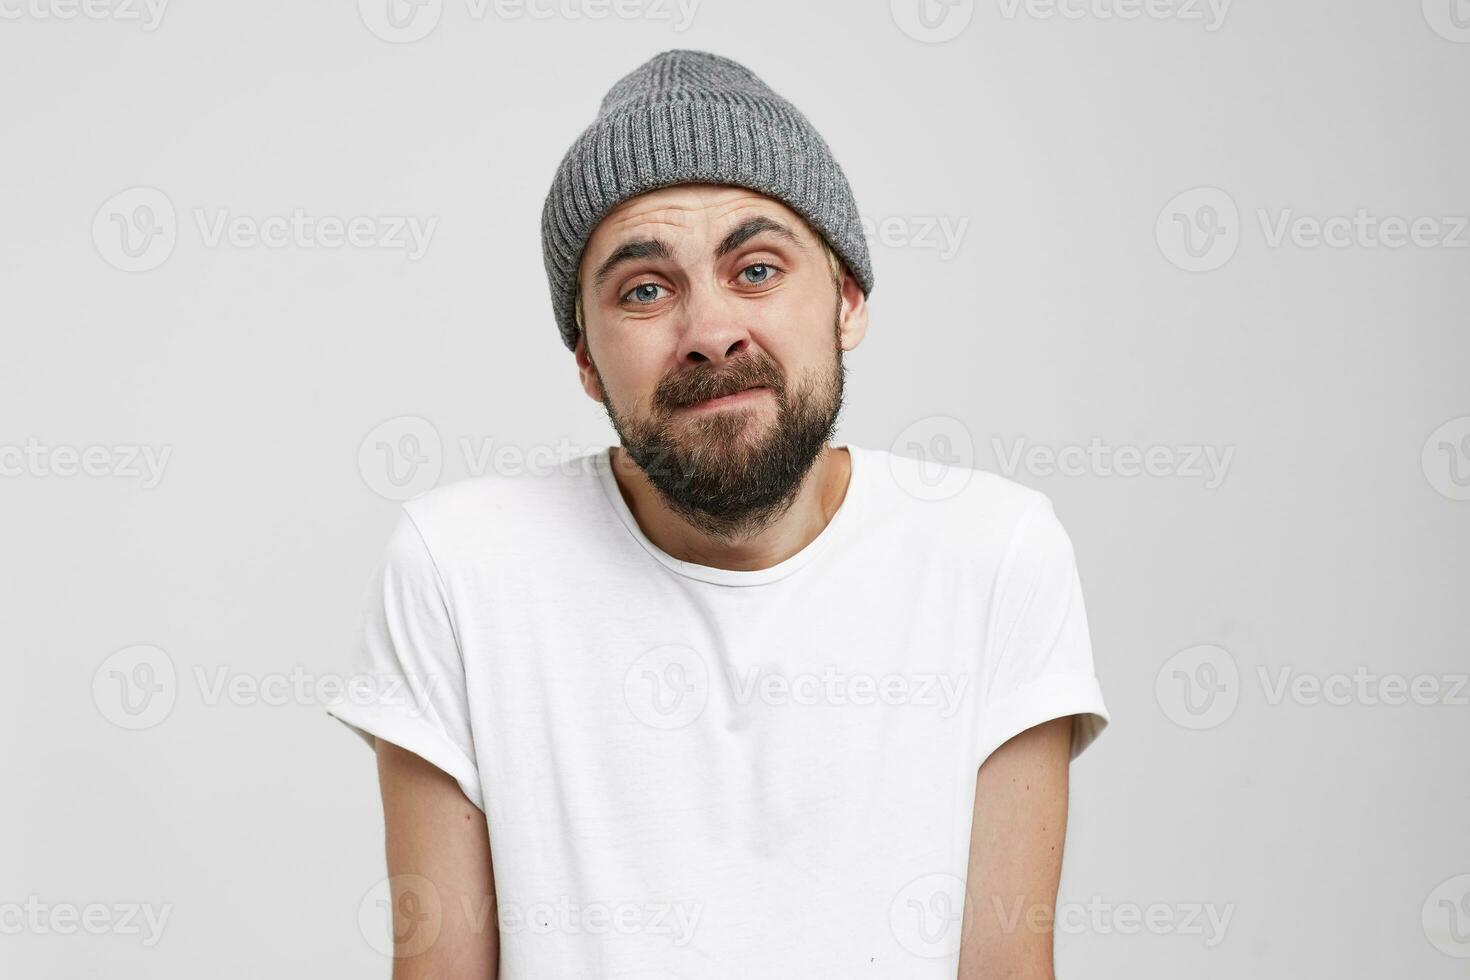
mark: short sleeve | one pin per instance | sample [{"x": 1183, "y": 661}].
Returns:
[
  {"x": 406, "y": 682},
  {"x": 1038, "y": 662}
]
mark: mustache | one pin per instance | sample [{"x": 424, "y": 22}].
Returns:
[{"x": 689, "y": 387}]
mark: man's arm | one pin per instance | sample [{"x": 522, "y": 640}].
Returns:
[
  {"x": 1016, "y": 856},
  {"x": 443, "y": 885}
]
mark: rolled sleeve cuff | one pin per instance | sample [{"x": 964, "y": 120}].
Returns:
[
  {"x": 1044, "y": 699},
  {"x": 372, "y": 722}
]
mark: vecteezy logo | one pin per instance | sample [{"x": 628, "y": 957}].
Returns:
[
  {"x": 1450, "y": 19},
  {"x": 136, "y": 230},
  {"x": 1199, "y": 229},
  {"x": 667, "y": 687},
  {"x": 1446, "y": 917},
  {"x": 928, "y": 915},
  {"x": 1446, "y": 458},
  {"x": 945, "y": 453},
  {"x": 418, "y": 919},
  {"x": 136, "y": 687},
  {"x": 1199, "y": 687},
  {"x": 401, "y": 458},
  {"x": 932, "y": 21},
  {"x": 401, "y": 21}
]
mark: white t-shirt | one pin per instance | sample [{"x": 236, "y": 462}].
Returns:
[{"x": 692, "y": 772}]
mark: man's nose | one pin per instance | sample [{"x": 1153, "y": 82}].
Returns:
[{"x": 714, "y": 329}]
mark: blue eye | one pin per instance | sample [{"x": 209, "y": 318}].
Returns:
[
  {"x": 641, "y": 293},
  {"x": 764, "y": 270}
]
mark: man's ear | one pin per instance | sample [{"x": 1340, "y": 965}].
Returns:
[
  {"x": 853, "y": 317},
  {"x": 586, "y": 370}
]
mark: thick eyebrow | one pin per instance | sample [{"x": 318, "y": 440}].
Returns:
[
  {"x": 749, "y": 229},
  {"x": 653, "y": 247},
  {"x": 627, "y": 252}
]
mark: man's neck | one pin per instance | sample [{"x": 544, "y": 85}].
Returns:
[{"x": 820, "y": 495}]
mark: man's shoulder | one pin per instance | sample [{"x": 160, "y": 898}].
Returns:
[
  {"x": 507, "y": 503},
  {"x": 948, "y": 491},
  {"x": 959, "y": 517}
]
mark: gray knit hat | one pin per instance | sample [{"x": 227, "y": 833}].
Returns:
[{"x": 692, "y": 117}]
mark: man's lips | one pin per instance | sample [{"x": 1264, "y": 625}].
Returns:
[{"x": 737, "y": 398}]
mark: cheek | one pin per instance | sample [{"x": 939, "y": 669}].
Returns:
[
  {"x": 802, "y": 328},
  {"x": 632, "y": 376}
]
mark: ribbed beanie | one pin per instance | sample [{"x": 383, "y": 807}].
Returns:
[{"x": 692, "y": 117}]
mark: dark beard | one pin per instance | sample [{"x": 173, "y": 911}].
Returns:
[{"x": 721, "y": 479}]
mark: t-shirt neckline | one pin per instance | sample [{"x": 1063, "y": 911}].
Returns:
[{"x": 836, "y": 526}]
